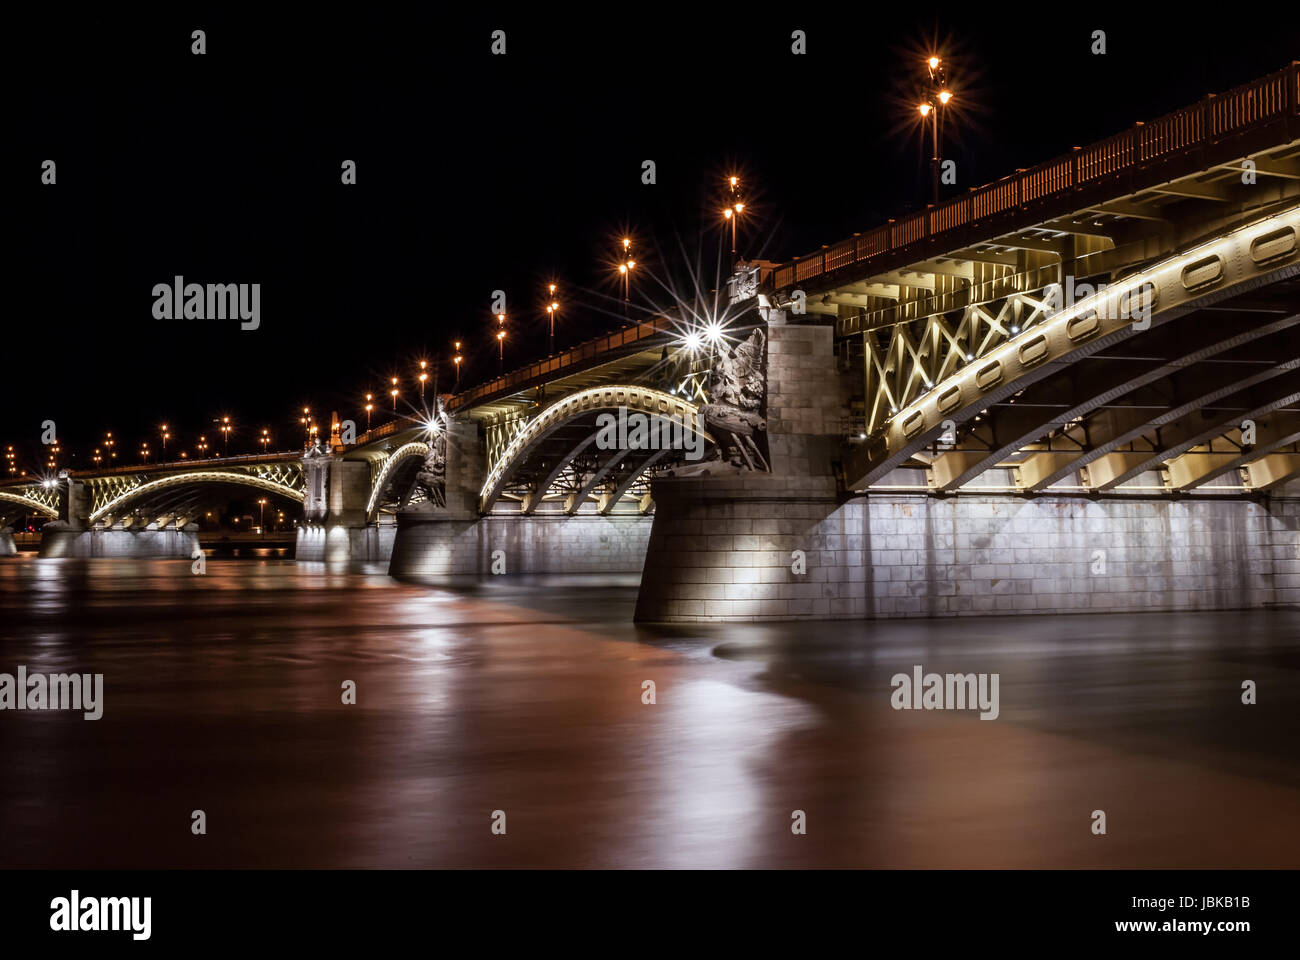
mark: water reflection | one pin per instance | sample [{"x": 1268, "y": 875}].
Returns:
[{"x": 223, "y": 693}]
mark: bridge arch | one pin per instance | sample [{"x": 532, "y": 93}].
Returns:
[
  {"x": 572, "y": 408},
  {"x": 28, "y": 503},
  {"x": 390, "y": 469},
  {"x": 143, "y": 490}
]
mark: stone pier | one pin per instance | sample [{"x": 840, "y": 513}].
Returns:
[
  {"x": 334, "y": 528},
  {"x": 788, "y": 544},
  {"x": 443, "y": 542},
  {"x": 60, "y": 541},
  {"x": 7, "y": 546},
  {"x": 772, "y": 549}
]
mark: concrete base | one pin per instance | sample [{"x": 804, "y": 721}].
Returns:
[
  {"x": 339, "y": 544},
  {"x": 57, "y": 544},
  {"x": 429, "y": 547},
  {"x": 722, "y": 550},
  {"x": 7, "y": 547}
]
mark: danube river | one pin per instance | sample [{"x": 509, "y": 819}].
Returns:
[{"x": 223, "y": 693}]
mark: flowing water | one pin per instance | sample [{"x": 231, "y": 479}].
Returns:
[{"x": 223, "y": 693}]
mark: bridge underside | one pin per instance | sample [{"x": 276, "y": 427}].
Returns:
[
  {"x": 1179, "y": 376},
  {"x": 1166, "y": 411}
]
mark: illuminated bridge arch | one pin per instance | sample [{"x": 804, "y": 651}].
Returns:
[
  {"x": 556, "y": 448},
  {"x": 109, "y": 500},
  {"x": 396, "y": 471},
  {"x": 38, "y": 501},
  {"x": 1051, "y": 393}
]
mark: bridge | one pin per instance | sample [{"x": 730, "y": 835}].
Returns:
[{"x": 1075, "y": 388}]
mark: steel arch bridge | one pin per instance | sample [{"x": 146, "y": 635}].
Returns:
[
  {"x": 173, "y": 495},
  {"x": 393, "y": 479},
  {"x": 555, "y": 455},
  {"x": 28, "y": 498}
]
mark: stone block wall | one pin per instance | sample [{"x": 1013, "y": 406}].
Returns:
[
  {"x": 61, "y": 543},
  {"x": 429, "y": 548},
  {"x": 723, "y": 550}
]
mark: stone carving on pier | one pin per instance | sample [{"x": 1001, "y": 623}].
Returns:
[
  {"x": 735, "y": 414},
  {"x": 743, "y": 284},
  {"x": 431, "y": 479}
]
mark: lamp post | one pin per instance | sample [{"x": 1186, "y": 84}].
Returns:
[
  {"x": 625, "y": 269},
  {"x": 424, "y": 375},
  {"x": 165, "y": 437},
  {"x": 369, "y": 406},
  {"x": 733, "y": 210},
  {"x": 938, "y": 97},
  {"x": 264, "y": 440},
  {"x": 501, "y": 353},
  {"x": 458, "y": 358},
  {"x": 551, "y": 310},
  {"x": 393, "y": 394},
  {"x": 225, "y": 431}
]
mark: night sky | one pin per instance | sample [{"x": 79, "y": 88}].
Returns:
[{"x": 478, "y": 172}]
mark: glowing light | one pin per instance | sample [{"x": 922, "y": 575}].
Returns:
[
  {"x": 713, "y": 332},
  {"x": 934, "y": 63},
  {"x": 944, "y": 96},
  {"x": 693, "y": 341},
  {"x": 925, "y": 109}
]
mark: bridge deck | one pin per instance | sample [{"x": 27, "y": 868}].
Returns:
[{"x": 1107, "y": 178}]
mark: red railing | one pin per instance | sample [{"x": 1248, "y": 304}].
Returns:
[{"x": 1254, "y": 104}]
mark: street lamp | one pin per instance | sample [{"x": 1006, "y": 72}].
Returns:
[
  {"x": 165, "y": 437},
  {"x": 264, "y": 440},
  {"x": 625, "y": 269},
  {"x": 457, "y": 360},
  {"x": 369, "y": 406},
  {"x": 733, "y": 210},
  {"x": 423, "y": 377},
  {"x": 938, "y": 97},
  {"x": 225, "y": 430},
  {"x": 501, "y": 352},
  {"x": 393, "y": 394},
  {"x": 261, "y": 516},
  {"x": 551, "y": 309}
]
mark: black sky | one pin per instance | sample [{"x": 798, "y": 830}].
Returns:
[{"x": 479, "y": 172}]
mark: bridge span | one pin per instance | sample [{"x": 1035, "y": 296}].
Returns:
[{"x": 1077, "y": 388}]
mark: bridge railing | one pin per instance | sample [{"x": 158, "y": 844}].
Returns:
[
  {"x": 560, "y": 362},
  {"x": 1258, "y": 103},
  {"x": 187, "y": 464}
]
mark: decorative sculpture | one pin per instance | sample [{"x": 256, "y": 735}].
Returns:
[{"x": 734, "y": 415}]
